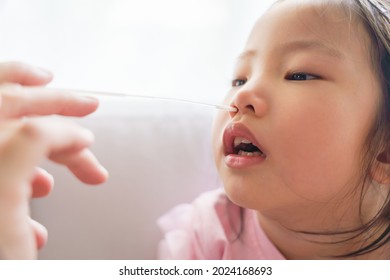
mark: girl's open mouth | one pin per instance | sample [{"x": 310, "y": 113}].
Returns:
[
  {"x": 244, "y": 147},
  {"x": 241, "y": 148}
]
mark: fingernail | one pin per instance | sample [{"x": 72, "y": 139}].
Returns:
[
  {"x": 43, "y": 72},
  {"x": 104, "y": 171},
  {"x": 89, "y": 99},
  {"x": 49, "y": 176}
]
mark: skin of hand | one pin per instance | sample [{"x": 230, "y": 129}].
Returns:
[{"x": 25, "y": 140}]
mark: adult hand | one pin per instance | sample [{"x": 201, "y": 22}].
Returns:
[{"x": 24, "y": 143}]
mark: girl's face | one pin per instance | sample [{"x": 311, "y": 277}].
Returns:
[{"x": 307, "y": 96}]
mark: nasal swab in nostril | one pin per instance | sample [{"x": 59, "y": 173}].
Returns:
[{"x": 127, "y": 95}]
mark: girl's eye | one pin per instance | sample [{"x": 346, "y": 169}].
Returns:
[
  {"x": 301, "y": 76},
  {"x": 238, "y": 82}
]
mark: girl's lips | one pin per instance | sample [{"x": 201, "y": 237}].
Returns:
[{"x": 234, "y": 159}]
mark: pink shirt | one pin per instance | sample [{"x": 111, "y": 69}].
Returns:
[{"x": 207, "y": 229}]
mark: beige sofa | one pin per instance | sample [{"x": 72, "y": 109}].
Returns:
[{"x": 158, "y": 154}]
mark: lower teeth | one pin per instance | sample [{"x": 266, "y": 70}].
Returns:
[{"x": 250, "y": 154}]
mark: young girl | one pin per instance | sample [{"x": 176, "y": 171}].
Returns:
[{"x": 305, "y": 159}]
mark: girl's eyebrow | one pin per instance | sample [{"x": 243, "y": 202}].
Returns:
[
  {"x": 311, "y": 45},
  {"x": 299, "y": 45},
  {"x": 249, "y": 54}
]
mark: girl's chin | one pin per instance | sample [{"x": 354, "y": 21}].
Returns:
[{"x": 238, "y": 195}]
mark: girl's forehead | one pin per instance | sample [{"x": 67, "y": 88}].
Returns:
[
  {"x": 314, "y": 13},
  {"x": 316, "y": 20}
]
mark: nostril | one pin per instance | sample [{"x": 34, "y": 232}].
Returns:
[{"x": 250, "y": 107}]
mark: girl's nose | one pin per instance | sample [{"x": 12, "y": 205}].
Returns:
[{"x": 249, "y": 100}]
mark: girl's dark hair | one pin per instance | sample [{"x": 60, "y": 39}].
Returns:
[{"x": 375, "y": 17}]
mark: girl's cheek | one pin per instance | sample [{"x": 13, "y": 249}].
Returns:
[
  {"x": 222, "y": 116},
  {"x": 218, "y": 125}
]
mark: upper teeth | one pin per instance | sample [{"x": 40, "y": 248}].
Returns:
[{"x": 239, "y": 140}]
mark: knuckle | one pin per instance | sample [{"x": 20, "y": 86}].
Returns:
[
  {"x": 10, "y": 92},
  {"x": 64, "y": 103},
  {"x": 9, "y": 88},
  {"x": 31, "y": 130}
]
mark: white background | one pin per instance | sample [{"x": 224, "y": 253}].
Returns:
[{"x": 171, "y": 48}]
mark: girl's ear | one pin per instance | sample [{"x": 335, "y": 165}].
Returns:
[{"x": 381, "y": 172}]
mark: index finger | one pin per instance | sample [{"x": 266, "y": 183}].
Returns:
[
  {"x": 18, "y": 101},
  {"x": 24, "y": 74}
]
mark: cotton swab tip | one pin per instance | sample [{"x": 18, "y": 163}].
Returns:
[{"x": 227, "y": 108}]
